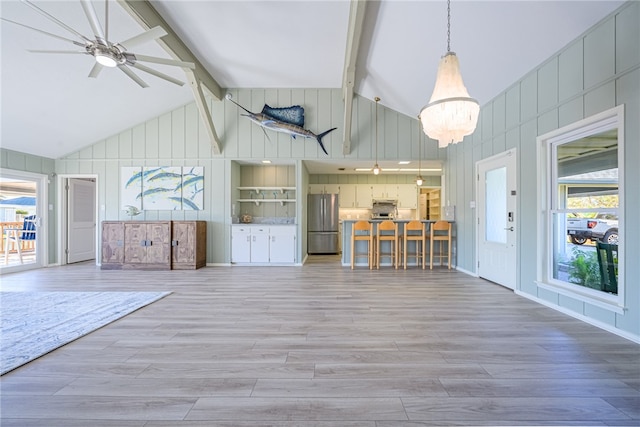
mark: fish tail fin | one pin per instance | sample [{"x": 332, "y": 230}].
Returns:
[{"x": 319, "y": 138}]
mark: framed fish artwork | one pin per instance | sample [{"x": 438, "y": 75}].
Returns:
[{"x": 162, "y": 187}]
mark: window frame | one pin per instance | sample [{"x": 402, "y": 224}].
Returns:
[{"x": 548, "y": 193}]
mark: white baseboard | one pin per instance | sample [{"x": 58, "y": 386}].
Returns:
[{"x": 470, "y": 273}]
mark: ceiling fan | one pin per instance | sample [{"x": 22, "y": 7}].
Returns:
[{"x": 106, "y": 53}]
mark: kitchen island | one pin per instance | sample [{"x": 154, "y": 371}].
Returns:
[{"x": 361, "y": 246}]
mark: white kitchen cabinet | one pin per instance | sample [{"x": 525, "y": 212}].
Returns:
[
  {"x": 324, "y": 188},
  {"x": 379, "y": 191},
  {"x": 332, "y": 189},
  {"x": 407, "y": 196},
  {"x": 347, "y": 196},
  {"x": 241, "y": 244},
  {"x": 263, "y": 244},
  {"x": 282, "y": 244},
  {"x": 259, "y": 244},
  {"x": 364, "y": 196},
  {"x": 316, "y": 188}
]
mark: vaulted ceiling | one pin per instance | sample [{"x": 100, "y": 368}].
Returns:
[{"x": 390, "y": 49}]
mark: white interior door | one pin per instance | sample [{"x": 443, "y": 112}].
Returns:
[
  {"x": 497, "y": 219},
  {"x": 81, "y": 229}
]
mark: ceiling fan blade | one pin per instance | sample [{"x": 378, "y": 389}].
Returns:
[
  {"x": 97, "y": 67},
  {"x": 106, "y": 19},
  {"x": 132, "y": 75},
  {"x": 58, "y": 51},
  {"x": 77, "y": 43},
  {"x": 150, "y": 34},
  {"x": 90, "y": 12},
  {"x": 157, "y": 73},
  {"x": 56, "y": 20},
  {"x": 156, "y": 60}
]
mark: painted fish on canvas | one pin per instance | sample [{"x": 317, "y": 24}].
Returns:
[{"x": 289, "y": 120}]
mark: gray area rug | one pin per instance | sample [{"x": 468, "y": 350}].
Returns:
[{"x": 35, "y": 323}]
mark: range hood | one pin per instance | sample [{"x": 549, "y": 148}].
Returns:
[{"x": 384, "y": 209}]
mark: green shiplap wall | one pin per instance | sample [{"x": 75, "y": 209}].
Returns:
[
  {"x": 596, "y": 72},
  {"x": 13, "y": 160}
]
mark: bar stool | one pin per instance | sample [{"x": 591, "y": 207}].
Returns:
[
  {"x": 441, "y": 232},
  {"x": 362, "y": 231},
  {"x": 382, "y": 235},
  {"x": 410, "y": 234}
]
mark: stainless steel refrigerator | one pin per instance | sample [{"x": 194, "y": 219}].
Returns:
[{"x": 322, "y": 223}]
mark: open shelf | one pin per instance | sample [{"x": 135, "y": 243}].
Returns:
[
  {"x": 258, "y": 201},
  {"x": 259, "y": 189}
]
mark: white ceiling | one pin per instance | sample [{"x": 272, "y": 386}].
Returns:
[{"x": 51, "y": 108}]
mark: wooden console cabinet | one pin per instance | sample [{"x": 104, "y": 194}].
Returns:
[{"x": 153, "y": 245}]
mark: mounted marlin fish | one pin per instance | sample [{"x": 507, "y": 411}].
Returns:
[{"x": 289, "y": 120}]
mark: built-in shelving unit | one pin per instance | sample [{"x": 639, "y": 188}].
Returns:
[{"x": 433, "y": 205}]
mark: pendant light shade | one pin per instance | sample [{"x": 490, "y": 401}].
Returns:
[{"x": 451, "y": 113}]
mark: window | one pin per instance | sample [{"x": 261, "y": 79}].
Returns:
[{"x": 582, "y": 202}]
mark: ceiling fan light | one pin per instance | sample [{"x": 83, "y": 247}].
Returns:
[
  {"x": 451, "y": 113},
  {"x": 106, "y": 59}
]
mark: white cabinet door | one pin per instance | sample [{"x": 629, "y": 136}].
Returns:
[
  {"x": 347, "y": 196},
  {"x": 316, "y": 188},
  {"x": 332, "y": 188},
  {"x": 363, "y": 196},
  {"x": 260, "y": 244},
  {"x": 282, "y": 245},
  {"x": 407, "y": 196},
  {"x": 240, "y": 244},
  {"x": 379, "y": 191}
]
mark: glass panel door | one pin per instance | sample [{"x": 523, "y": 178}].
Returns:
[{"x": 20, "y": 220}]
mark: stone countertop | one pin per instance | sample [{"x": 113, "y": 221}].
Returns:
[
  {"x": 259, "y": 224},
  {"x": 394, "y": 220}
]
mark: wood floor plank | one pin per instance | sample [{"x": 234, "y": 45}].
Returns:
[
  {"x": 262, "y": 409},
  {"x": 321, "y": 346},
  {"x": 530, "y": 409}
]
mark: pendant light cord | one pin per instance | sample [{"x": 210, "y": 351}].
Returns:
[
  {"x": 377, "y": 99},
  {"x": 448, "y": 25},
  {"x": 419, "y": 151}
]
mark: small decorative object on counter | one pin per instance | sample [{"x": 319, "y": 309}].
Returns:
[{"x": 246, "y": 219}]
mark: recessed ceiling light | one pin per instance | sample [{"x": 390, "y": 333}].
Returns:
[
  {"x": 266, "y": 162},
  {"x": 404, "y": 162}
]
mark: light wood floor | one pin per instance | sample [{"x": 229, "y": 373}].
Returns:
[{"x": 322, "y": 345}]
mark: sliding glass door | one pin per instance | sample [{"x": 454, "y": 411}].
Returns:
[{"x": 22, "y": 203}]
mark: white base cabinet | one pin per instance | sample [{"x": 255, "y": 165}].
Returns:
[
  {"x": 259, "y": 244},
  {"x": 282, "y": 245}
]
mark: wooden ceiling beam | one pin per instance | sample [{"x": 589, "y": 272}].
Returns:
[
  {"x": 199, "y": 78},
  {"x": 354, "y": 33}
]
